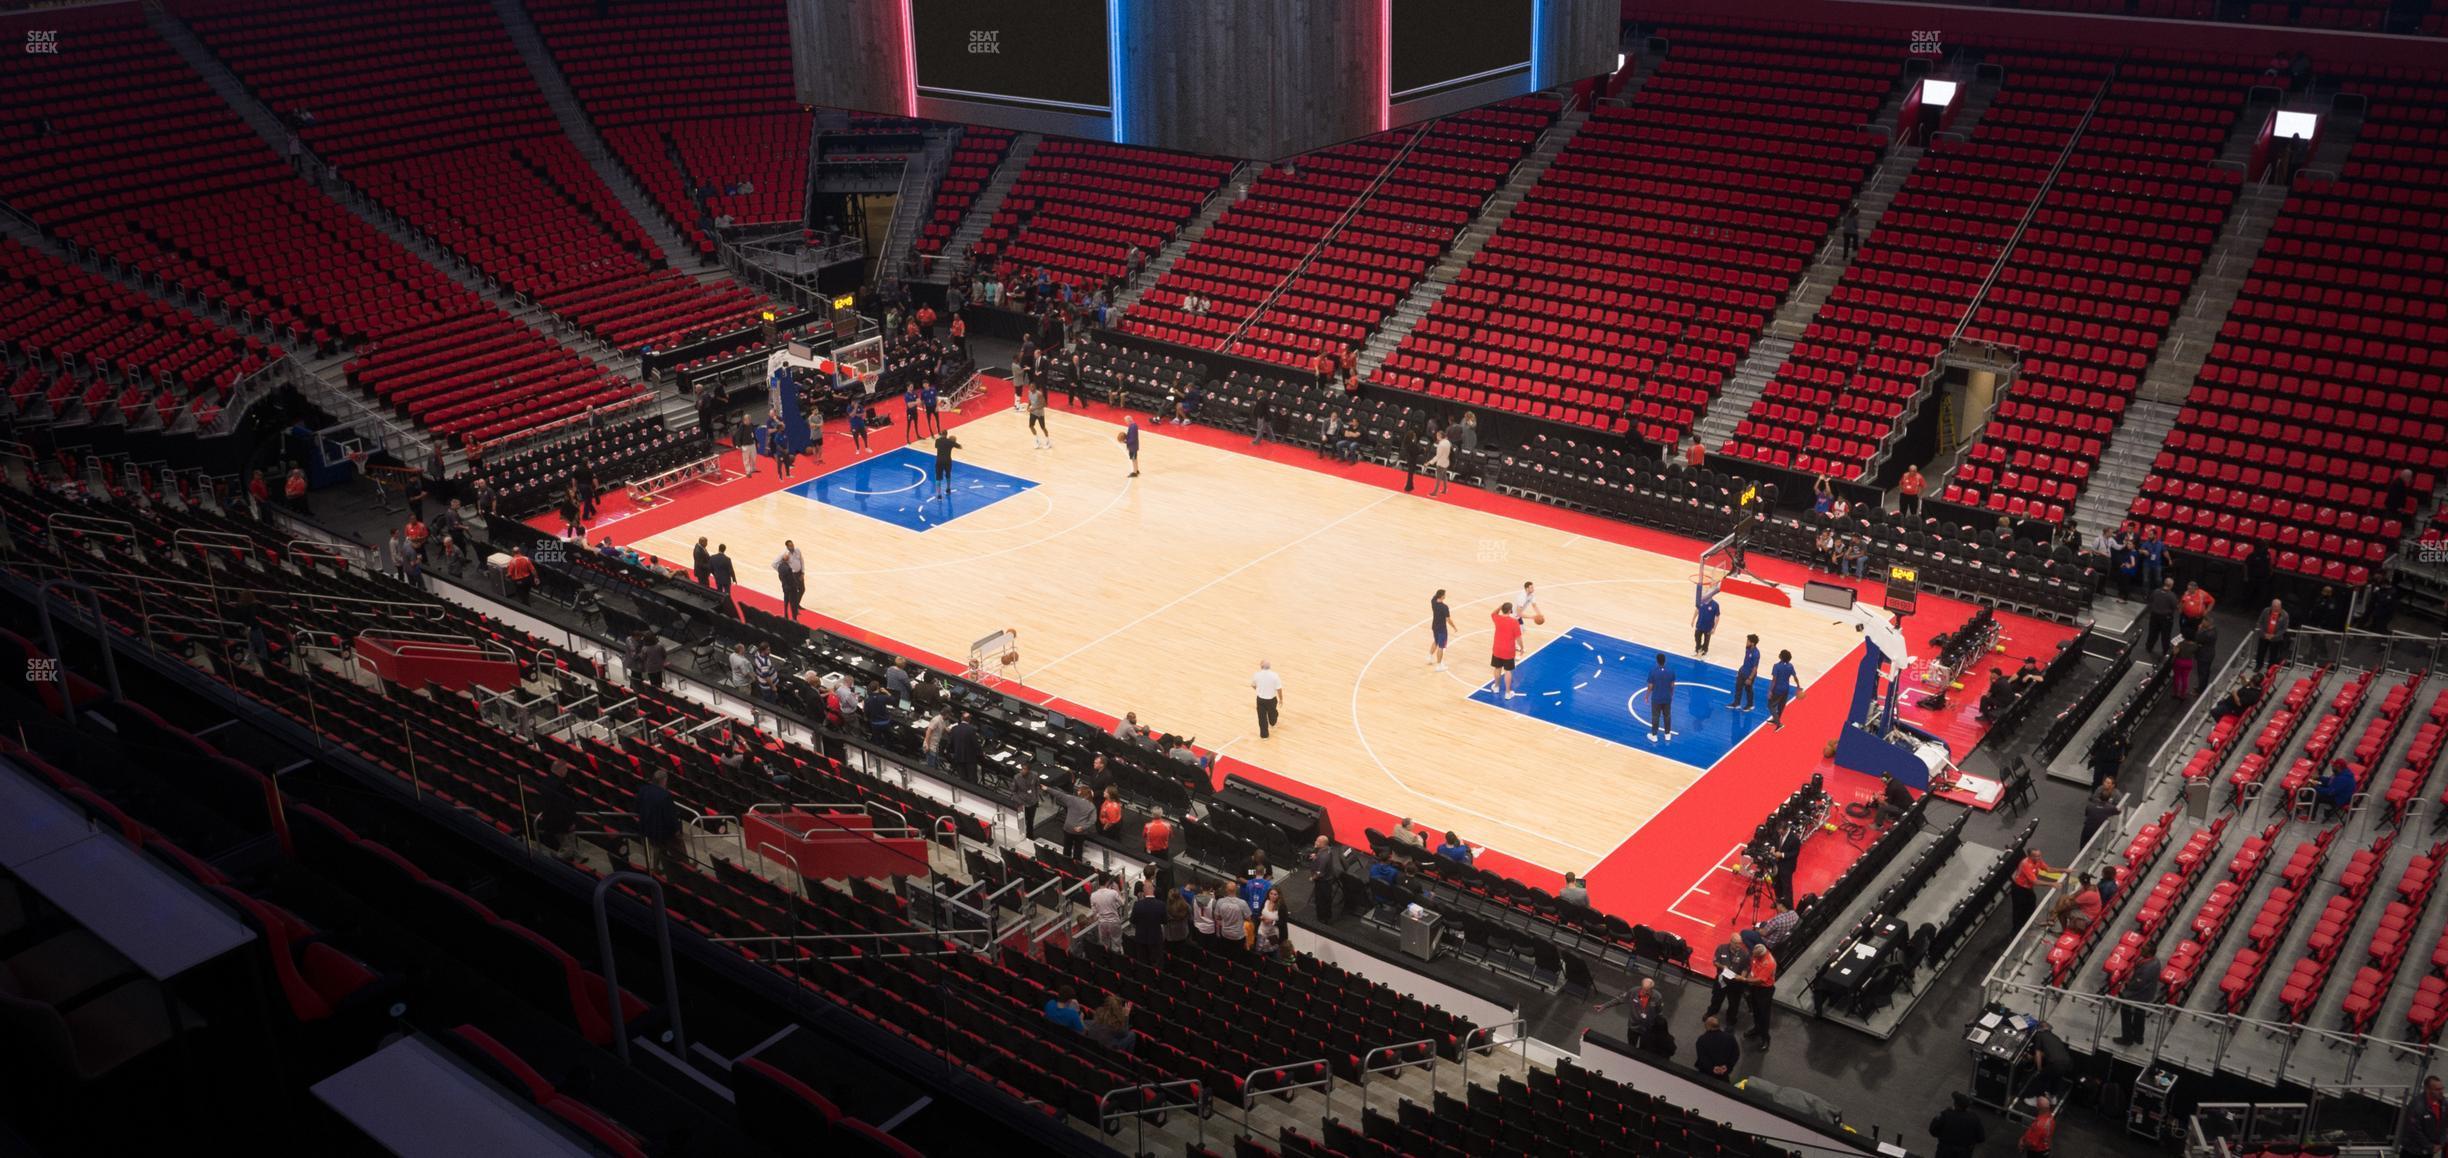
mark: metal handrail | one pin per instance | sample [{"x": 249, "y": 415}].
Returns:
[
  {"x": 1108, "y": 1117},
  {"x": 1249, "y": 1081},
  {"x": 1397, "y": 1065},
  {"x": 410, "y": 640},
  {"x": 611, "y": 964},
  {"x": 102, "y": 631},
  {"x": 1485, "y": 1036}
]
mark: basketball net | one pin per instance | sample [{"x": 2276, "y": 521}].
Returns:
[{"x": 1715, "y": 564}]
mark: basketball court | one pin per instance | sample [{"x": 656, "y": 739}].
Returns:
[{"x": 1160, "y": 595}]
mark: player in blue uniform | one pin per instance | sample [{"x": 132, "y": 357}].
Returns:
[{"x": 1747, "y": 675}]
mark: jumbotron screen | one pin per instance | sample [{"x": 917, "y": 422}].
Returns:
[
  {"x": 1042, "y": 54},
  {"x": 1442, "y": 45}
]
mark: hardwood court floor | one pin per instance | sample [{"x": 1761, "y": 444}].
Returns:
[{"x": 1160, "y": 595}]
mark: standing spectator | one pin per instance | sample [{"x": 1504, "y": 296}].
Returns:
[
  {"x": 1157, "y": 835},
  {"x": 1731, "y": 960},
  {"x": 2328, "y": 612},
  {"x": 1762, "y": 981},
  {"x": 930, "y": 745},
  {"x": 658, "y": 821},
  {"x": 2256, "y": 573},
  {"x": 1908, "y": 492},
  {"x": 2025, "y": 893},
  {"x": 556, "y": 818},
  {"x": 1147, "y": 927},
  {"x": 1105, "y": 905},
  {"x": 790, "y": 568},
  {"x": 962, "y": 747},
  {"x": 1325, "y": 875},
  {"x": 2128, "y": 563},
  {"x": 1716, "y": 1051},
  {"x": 1440, "y": 464},
  {"x": 2180, "y": 667},
  {"x": 1267, "y": 937},
  {"x": 295, "y": 491},
  {"x": 2161, "y": 607},
  {"x": 2143, "y": 986},
  {"x": 2107, "y": 757},
  {"x": 1079, "y": 817},
  {"x": 2098, "y": 811},
  {"x": 1177, "y": 917},
  {"x": 2271, "y": 628},
  {"x": 2399, "y": 503},
  {"x": 2154, "y": 557},
  {"x": 2422, "y": 1128},
  {"x": 519, "y": 572},
  {"x": 2193, "y": 608},
  {"x": 1109, "y": 814},
  {"x": 1852, "y": 229},
  {"x": 1957, "y": 1130},
  {"x": 720, "y": 568},
  {"x": 751, "y": 443},
  {"x": 2042, "y": 1133},
  {"x": 699, "y": 560},
  {"x": 1269, "y": 687},
  {"x": 1231, "y": 915}
]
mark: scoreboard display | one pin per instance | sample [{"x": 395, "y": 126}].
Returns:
[
  {"x": 1441, "y": 45},
  {"x": 1257, "y": 79},
  {"x": 1043, "y": 54}
]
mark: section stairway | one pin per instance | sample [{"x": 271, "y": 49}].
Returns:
[
  {"x": 1742, "y": 388},
  {"x": 590, "y": 144},
  {"x": 1424, "y": 296},
  {"x": 989, "y": 202}
]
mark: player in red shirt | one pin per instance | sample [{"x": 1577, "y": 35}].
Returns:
[{"x": 1506, "y": 650}]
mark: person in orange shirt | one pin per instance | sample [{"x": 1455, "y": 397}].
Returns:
[
  {"x": 1695, "y": 455},
  {"x": 1762, "y": 978},
  {"x": 1158, "y": 832},
  {"x": 520, "y": 573},
  {"x": 2194, "y": 607},
  {"x": 2043, "y": 1132},
  {"x": 417, "y": 534},
  {"x": 2026, "y": 890},
  {"x": 1908, "y": 492}
]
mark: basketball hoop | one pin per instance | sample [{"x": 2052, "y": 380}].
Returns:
[
  {"x": 1721, "y": 559},
  {"x": 999, "y": 652}
]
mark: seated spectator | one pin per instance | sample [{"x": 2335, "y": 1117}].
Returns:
[
  {"x": 1064, "y": 1010},
  {"x": 2240, "y": 700},
  {"x": 1453, "y": 849},
  {"x": 2336, "y": 790},
  {"x": 1111, "y": 1025},
  {"x": 1779, "y": 927},
  {"x": 2081, "y": 907}
]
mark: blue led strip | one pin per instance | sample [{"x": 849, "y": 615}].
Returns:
[
  {"x": 1538, "y": 42},
  {"x": 1115, "y": 73}
]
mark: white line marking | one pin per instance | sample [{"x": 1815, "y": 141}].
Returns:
[
  {"x": 922, "y": 481},
  {"x": 1196, "y": 591}
]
